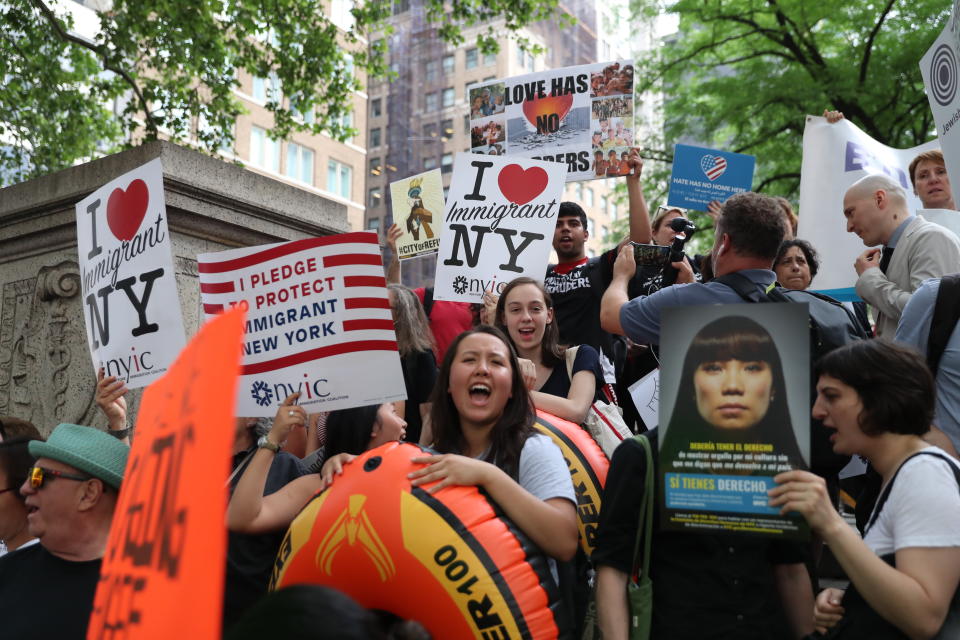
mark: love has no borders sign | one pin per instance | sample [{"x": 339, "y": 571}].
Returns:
[
  {"x": 498, "y": 224},
  {"x": 129, "y": 288},
  {"x": 701, "y": 175}
]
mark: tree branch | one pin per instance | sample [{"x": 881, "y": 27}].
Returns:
[
  {"x": 151, "y": 124},
  {"x": 779, "y": 176},
  {"x": 868, "y": 46}
]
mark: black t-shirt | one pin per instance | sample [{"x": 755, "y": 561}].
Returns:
[
  {"x": 576, "y": 301},
  {"x": 43, "y": 596},
  {"x": 250, "y": 557},
  {"x": 419, "y": 376},
  {"x": 705, "y": 586}
]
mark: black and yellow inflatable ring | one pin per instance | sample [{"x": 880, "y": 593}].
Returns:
[{"x": 451, "y": 561}]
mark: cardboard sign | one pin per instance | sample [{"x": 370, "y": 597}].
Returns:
[
  {"x": 701, "y": 175},
  {"x": 834, "y": 157},
  {"x": 129, "y": 288},
  {"x": 941, "y": 76},
  {"x": 418, "y": 209},
  {"x": 645, "y": 393},
  {"x": 498, "y": 224},
  {"x": 319, "y": 322},
  {"x": 579, "y": 116},
  {"x": 162, "y": 575},
  {"x": 728, "y": 425}
]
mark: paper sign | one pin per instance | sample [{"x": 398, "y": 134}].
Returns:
[
  {"x": 579, "y": 116},
  {"x": 318, "y": 322},
  {"x": 129, "y": 288},
  {"x": 941, "y": 76},
  {"x": 645, "y": 393},
  {"x": 162, "y": 575},
  {"x": 498, "y": 224},
  {"x": 834, "y": 157},
  {"x": 734, "y": 412},
  {"x": 418, "y": 209},
  {"x": 701, "y": 175}
]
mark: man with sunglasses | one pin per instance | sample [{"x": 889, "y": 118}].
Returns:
[{"x": 47, "y": 590}]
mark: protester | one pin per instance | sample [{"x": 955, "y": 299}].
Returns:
[
  {"x": 913, "y": 249},
  {"x": 796, "y": 264},
  {"x": 47, "y": 589},
  {"x": 415, "y": 343},
  {"x": 930, "y": 180},
  {"x": 252, "y": 510},
  {"x": 447, "y": 319},
  {"x": 15, "y": 463},
  {"x": 878, "y": 397},
  {"x": 525, "y": 314}
]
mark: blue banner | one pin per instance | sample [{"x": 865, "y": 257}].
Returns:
[
  {"x": 701, "y": 175},
  {"x": 735, "y": 494}
]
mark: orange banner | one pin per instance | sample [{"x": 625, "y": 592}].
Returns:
[{"x": 162, "y": 575}]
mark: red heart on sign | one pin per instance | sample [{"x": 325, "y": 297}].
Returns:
[
  {"x": 126, "y": 209},
  {"x": 540, "y": 107},
  {"x": 520, "y": 185}
]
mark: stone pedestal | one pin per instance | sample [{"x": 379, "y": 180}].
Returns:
[{"x": 46, "y": 375}]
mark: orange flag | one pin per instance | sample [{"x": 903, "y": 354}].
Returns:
[{"x": 162, "y": 575}]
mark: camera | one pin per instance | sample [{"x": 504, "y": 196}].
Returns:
[
  {"x": 684, "y": 229},
  {"x": 650, "y": 255}
]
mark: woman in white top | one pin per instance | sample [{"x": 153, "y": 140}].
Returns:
[{"x": 878, "y": 396}]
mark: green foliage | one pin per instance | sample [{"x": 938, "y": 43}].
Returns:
[
  {"x": 172, "y": 67},
  {"x": 741, "y": 75}
]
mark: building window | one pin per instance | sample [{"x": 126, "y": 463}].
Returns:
[
  {"x": 448, "y": 62},
  {"x": 340, "y": 13},
  {"x": 448, "y": 97},
  {"x": 489, "y": 58},
  {"x": 304, "y": 116},
  {"x": 613, "y": 210},
  {"x": 373, "y": 197},
  {"x": 473, "y": 58},
  {"x": 266, "y": 89},
  {"x": 400, "y": 6},
  {"x": 446, "y": 130},
  {"x": 605, "y": 233},
  {"x": 591, "y": 226},
  {"x": 430, "y": 162},
  {"x": 466, "y": 123},
  {"x": 588, "y": 192},
  {"x": 446, "y": 163},
  {"x": 376, "y": 107},
  {"x": 339, "y": 177},
  {"x": 430, "y": 132},
  {"x": 264, "y": 152},
  {"x": 348, "y": 64},
  {"x": 375, "y": 137},
  {"x": 579, "y": 192},
  {"x": 603, "y": 204},
  {"x": 300, "y": 162},
  {"x": 375, "y": 168},
  {"x": 432, "y": 72},
  {"x": 373, "y": 224},
  {"x": 430, "y": 101}
]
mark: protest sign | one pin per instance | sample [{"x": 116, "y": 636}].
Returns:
[
  {"x": 318, "y": 322},
  {"x": 734, "y": 412},
  {"x": 834, "y": 157},
  {"x": 701, "y": 175},
  {"x": 129, "y": 288},
  {"x": 579, "y": 116},
  {"x": 498, "y": 224},
  {"x": 941, "y": 76},
  {"x": 645, "y": 394},
  {"x": 163, "y": 572},
  {"x": 418, "y": 208}
]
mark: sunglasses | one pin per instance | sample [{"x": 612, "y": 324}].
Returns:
[
  {"x": 3, "y": 491},
  {"x": 38, "y": 475}
]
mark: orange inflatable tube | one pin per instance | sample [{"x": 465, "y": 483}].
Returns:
[
  {"x": 451, "y": 561},
  {"x": 588, "y": 469}
]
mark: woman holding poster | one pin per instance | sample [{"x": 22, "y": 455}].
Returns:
[
  {"x": 732, "y": 390},
  {"x": 905, "y": 571}
]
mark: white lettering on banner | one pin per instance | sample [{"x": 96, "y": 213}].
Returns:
[
  {"x": 324, "y": 326},
  {"x": 137, "y": 335}
]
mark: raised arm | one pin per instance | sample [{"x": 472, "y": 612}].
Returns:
[
  {"x": 393, "y": 268},
  {"x": 110, "y": 400},
  {"x": 640, "y": 229},
  {"x": 616, "y": 294}
]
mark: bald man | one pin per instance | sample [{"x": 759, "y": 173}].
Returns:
[{"x": 913, "y": 249}]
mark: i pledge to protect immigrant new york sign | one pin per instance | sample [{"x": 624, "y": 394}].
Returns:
[
  {"x": 129, "y": 289},
  {"x": 318, "y": 322}
]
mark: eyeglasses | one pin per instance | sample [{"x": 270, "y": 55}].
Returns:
[
  {"x": 38, "y": 475},
  {"x": 3, "y": 491}
]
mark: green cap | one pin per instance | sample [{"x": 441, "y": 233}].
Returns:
[{"x": 90, "y": 450}]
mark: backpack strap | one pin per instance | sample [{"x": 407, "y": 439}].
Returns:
[
  {"x": 640, "y": 565},
  {"x": 882, "y": 499},
  {"x": 428, "y": 301},
  {"x": 745, "y": 287},
  {"x": 946, "y": 312},
  {"x": 570, "y": 355}
]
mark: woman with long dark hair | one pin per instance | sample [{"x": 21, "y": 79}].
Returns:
[
  {"x": 416, "y": 345},
  {"x": 732, "y": 389}
]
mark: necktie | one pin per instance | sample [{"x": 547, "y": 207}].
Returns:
[{"x": 885, "y": 256}]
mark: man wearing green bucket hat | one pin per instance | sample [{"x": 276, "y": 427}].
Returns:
[{"x": 47, "y": 590}]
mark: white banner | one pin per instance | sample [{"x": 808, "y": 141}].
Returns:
[
  {"x": 579, "y": 116},
  {"x": 834, "y": 157},
  {"x": 130, "y": 302},
  {"x": 318, "y": 322},
  {"x": 941, "y": 75},
  {"x": 498, "y": 224}
]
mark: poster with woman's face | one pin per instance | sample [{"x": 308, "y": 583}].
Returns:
[{"x": 734, "y": 412}]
